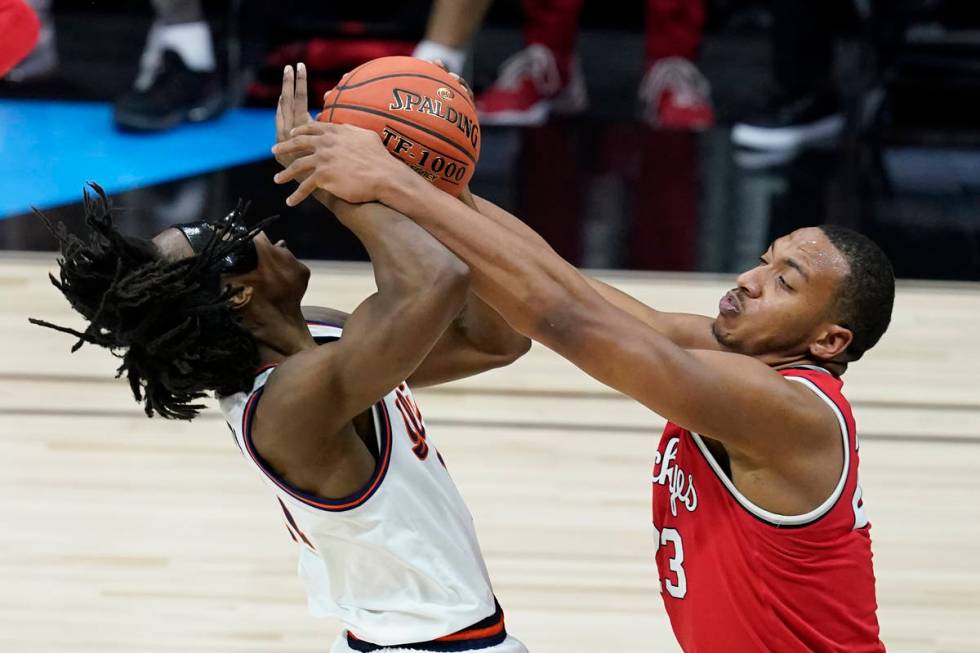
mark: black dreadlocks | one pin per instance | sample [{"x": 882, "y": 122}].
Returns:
[{"x": 169, "y": 321}]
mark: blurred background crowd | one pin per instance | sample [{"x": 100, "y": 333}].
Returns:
[{"x": 640, "y": 134}]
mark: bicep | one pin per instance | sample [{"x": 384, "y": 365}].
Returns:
[
  {"x": 381, "y": 347},
  {"x": 478, "y": 340},
  {"x": 454, "y": 357},
  {"x": 730, "y": 397},
  {"x": 683, "y": 329}
]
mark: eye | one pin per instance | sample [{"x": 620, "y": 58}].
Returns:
[
  {"x": 763, "y": 261},
  {"x": 782, "y": 282}
]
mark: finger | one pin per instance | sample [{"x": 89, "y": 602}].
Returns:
[
  {"x": 295, "y": 145},
  {"x": 301, "y": 193},
  {"x": 281, "y": 131},
  {"x": 311, "y": 129},
  {"x": 462, "y": 82},
  {"x": 466, "y": 197},
  {"x": 287, "y": 96},
  {"x": 286, "y": 85},
  {"x": 301, "y": 104},
  {"x": 297, "y": 168}
]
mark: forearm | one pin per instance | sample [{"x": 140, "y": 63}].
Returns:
[
  {"x": 405, "y": 259},
  {"x": 685, "y": 330},
  {"x": 510, "y": 222},
  {"x": 477, "y": 323},
  {"x": 512, "y": 273}
]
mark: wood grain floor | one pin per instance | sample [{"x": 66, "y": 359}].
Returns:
[{"x": 122, "y": 534}]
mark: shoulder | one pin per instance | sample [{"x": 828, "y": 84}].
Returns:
[
  {"x": 824, "y": 387},
  {"x": 817, "y": 380}
]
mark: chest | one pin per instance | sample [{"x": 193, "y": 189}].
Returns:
[
  {"x": 678, "y": 476},
  {"x": 365, "y": 431}
]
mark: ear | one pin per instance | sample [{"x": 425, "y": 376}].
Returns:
[
  {"x": 832, "y": 342},
  {"x": 240, "y": 296}
]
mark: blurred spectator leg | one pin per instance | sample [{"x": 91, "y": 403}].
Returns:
[
  {"x": 543, "y": 77},
  {"x": 178, "y": 79},
  {"x": 674, "y": 94},
  {"x": 27, "y": 40},
  {"x": 665, "y": 208},
  {"x": 551, "y": 185},
  {"x": 805, "y": 108},
  {"x": 452, "y": 23}
]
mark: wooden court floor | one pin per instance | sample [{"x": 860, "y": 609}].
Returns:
[{"x": 122, "y": 534}]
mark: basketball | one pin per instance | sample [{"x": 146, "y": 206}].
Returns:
[{"x": 424, "y": 116}]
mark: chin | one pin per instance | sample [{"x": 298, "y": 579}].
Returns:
[{"x": 724, "y": 338}]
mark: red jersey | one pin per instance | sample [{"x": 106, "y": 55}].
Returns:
[{"x": 735, "y": 577}]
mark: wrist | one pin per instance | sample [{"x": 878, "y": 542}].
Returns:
[
  {"x": 326, "y": 198},
  {"x": 399, "y": 187}
]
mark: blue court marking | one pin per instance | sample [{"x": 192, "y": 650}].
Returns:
[{"x": 48, "y": 150}]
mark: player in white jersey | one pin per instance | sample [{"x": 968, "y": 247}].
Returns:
[
  {"x": 318, "y": 402},
  {"x": 398, "y": 560}
]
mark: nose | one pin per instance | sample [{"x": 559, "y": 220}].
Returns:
[{"x": 750, "y": 281}]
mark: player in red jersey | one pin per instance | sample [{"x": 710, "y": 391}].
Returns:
[{"x": 762, "y": 541}]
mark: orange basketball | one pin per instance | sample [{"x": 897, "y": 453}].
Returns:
[{"x": 424, "y": 116}]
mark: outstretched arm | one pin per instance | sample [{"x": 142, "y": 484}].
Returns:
[
  {"x": 478, "y": 339},
  {"x": 733, "y": 398},
  {"x": 683, "y": 329}
]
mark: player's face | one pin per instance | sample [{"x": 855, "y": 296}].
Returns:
[
  {"x": 783, "y": 305},
  {"x": 278, "y": 277}
]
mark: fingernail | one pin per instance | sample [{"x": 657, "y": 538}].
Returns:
[{"x": 275, "y": 177}]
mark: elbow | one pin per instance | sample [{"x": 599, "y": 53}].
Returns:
[
  {"x": 518, "y": 348},
  {"x": 566, "y": 322},
  {"x": 554, "y": 314},
  {"x": 505, "y": 357},
  {"x": 451, "y": 280}
]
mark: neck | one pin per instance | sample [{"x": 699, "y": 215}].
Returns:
[
  {"x": 279, "y": 334},
  {"x": 833, "y": 367}
]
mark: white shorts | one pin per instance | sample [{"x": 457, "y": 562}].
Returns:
[{"x": 509, "y": 645}]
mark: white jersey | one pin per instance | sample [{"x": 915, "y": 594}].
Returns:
[{"x": 398, "y": 561}]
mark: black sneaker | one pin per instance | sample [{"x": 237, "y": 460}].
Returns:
[
  {"x": 811, "y": 119},
  {"x": 175, "y": 95}
]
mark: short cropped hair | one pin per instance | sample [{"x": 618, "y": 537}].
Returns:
[{"x": 866, "y": 295}]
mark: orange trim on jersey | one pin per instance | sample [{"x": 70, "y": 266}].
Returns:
[
  {"x": 478, "y": 633},
  {"x": 345, "y": 503},
  {"x": 475, "y": 632},
  {"x": 263, "y": 368}
]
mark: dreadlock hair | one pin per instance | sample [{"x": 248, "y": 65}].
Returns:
[
  {"x": 168, "y": 321},
  {"x": 866, "y": 295}
]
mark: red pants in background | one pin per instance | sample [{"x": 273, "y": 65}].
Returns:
[
  {"x": 673, "y": 27},
  {"x": 19, "y": 28}
]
